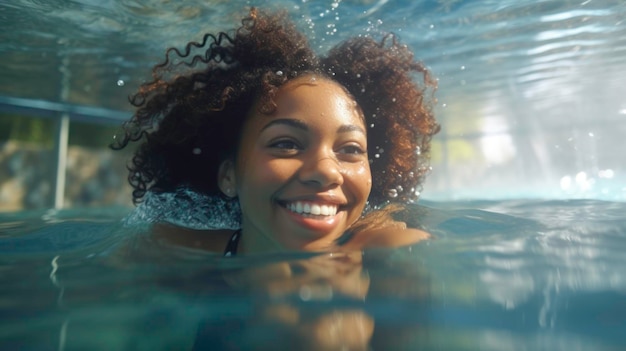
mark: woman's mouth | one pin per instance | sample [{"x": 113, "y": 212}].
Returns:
[
  {"x": 316, "y": 216},
  {"x": 311, "y": 209}
]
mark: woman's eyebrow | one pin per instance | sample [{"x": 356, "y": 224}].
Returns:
[
  {"x": 296, "y": 123},
  {"x": 347, "y": 128}
]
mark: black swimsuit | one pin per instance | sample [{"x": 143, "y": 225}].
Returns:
[{"x": 231, "y": 247}]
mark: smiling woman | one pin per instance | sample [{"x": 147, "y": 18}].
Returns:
[
  {"x": 277, "y": 149},
  {"x": 302, "y": 172}
]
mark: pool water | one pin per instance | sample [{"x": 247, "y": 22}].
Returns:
[{"x": 498, "y": 275}]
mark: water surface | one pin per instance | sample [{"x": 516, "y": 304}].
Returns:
[{"x": 499, "y": 275}]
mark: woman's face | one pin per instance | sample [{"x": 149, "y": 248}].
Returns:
[{"x": 302, "y": 173}]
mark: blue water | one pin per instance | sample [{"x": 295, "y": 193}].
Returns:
[
  {"x": 530, "y": 101},
  {"x": 498, "y": 275}
]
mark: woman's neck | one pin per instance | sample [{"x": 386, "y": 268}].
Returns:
[{"x": 257, "y": 243}]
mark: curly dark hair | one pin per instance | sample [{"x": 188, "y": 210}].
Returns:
[{"x": 189, "y": 116}]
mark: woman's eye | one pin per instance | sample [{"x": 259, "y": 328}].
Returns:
[
  {"x": 352, "y": 150},
  {"x": 287, "y": 145}
]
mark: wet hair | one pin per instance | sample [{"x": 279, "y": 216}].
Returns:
[{"x": 189, "y": 117}]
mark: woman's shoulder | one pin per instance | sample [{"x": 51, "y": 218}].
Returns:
[
  {"x": 392, "y": 234},
  {"x": 201, "y": 239}
]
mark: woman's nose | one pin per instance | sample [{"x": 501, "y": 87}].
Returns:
[{"x": 322, "y": 171}]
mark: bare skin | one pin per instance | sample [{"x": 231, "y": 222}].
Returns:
[
  {"x": 394, "y": 235},
  {"x": 311, "y": 151}
]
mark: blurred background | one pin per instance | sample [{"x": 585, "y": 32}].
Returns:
[{"x": 531, "y": 98}]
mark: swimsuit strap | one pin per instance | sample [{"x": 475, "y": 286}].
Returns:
[{"x": 233, "y": 243}]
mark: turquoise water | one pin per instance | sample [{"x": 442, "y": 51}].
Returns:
[
  {"x": 531, "y": 105},
  {"x": 498, "y": 275}
]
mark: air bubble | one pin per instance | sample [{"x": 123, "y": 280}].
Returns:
[
  {"x": 279, "y": 73},
  {"x": 120, "y": 83},
  {"x": 377, "y": 155},
  {"x": 392, "y": 193}
]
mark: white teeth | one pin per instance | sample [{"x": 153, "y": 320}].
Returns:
[
  {"x": 324, "y": 210},
  {"x": 314, "y": 209}
]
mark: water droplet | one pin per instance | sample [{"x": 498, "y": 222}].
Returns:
[
  {"x": 120, "y": 83},
  {"x": 358, "y": 75},
  {"x": 377, "y": 155},
  {"x": 372, "y": 125},
  {"x": 279, "y": 73},
  {"x": 392, "y": 193}
]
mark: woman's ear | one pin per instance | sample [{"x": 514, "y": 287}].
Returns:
[{"x": 226, "y": 178}]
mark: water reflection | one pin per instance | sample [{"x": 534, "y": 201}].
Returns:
[
  {"x": 292, "y": 305},
  {"x": 337, "y": 301}
]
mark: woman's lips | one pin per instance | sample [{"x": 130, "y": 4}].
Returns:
[{"x": 316, "y": 216}]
